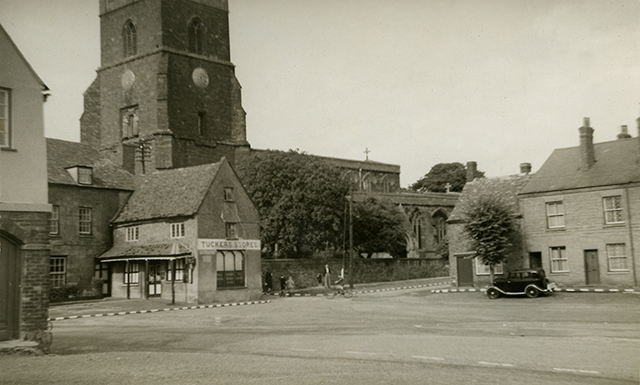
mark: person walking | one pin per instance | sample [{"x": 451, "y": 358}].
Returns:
[
  {"x": 290, "y": 285},
  {"x": 268, "y": 282},
  {"x": 283, "y": 285},
  {"x": 327, "y": 277}
]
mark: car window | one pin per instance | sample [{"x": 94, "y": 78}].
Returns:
[{"x": 514, "y": 275}]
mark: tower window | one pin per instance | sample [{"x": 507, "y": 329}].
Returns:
[
  {"x": 130, "y": 122},
  {"x": 5, "y": 121},
  {"x": 196, "y": 36},
  {"x": 130, "y": 37},
  {"x": 201, "y": 123}
]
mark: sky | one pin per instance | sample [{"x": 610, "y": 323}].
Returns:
[{"x": 415, "y": 82}]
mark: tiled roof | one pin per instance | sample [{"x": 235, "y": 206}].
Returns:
[
  {"x": 155, "y": 250},
  {"x": 169, "y": 193},
  {"x": 63, "y": 154},
  {"x": 616, "y": 163},
  {"x": 508, "y": 185}
]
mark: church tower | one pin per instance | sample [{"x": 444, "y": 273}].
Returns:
[{"x": 165, "y": 95}]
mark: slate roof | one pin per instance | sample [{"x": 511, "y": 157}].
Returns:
[
  {"x": 63, "y": 154},
  {"x": 616, "y": 163},
  {"x": 169, "y": 193},
  {"x": 167, "y": 250},
  {"x": 511, "y": 184}
]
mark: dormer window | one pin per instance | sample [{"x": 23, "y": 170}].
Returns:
[
  {"x": 81, "y": 174},
  {"x": 228, "y": 194}
]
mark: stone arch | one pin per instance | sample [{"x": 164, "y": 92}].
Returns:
[{"x": 439, "y": 219}]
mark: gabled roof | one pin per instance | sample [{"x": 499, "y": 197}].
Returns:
[
  {"x": 170, "y": 193},
  {"x": 616, "y": 163},
  {"x": 62, "y": 154},
  {"x": 508, "y": 185},
  {"x": 26, "y": 63}
]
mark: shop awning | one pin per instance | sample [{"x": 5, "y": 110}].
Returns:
[{"x": 158, "y": 251}]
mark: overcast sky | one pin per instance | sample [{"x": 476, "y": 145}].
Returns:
[{"x": 417, "y": 82}]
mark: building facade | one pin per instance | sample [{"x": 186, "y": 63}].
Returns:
[
  {"x": 24, "y": 208},
  {"x": 582, "y": 212},
  {"x": 189, "y": 235}
]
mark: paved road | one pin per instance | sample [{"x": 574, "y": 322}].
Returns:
[{"x": 409, "y": 336}]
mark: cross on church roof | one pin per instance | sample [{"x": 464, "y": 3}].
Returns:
[{"x": 367, "y": 151}]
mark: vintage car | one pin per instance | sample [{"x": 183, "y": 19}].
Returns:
[{"x": 529, "y": 282}]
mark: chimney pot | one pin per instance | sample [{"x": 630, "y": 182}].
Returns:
[
  {"x": 525, "y": 168},
  {"x": 624, "y": 132}
]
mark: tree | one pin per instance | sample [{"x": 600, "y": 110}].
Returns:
[
  {"x": 300, "y": 198},
  {"x": 378, "y": 226},
  {"x": 489, "y": 219},
  {"x": 453, "y": 174}
]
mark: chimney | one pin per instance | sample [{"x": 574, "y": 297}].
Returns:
[
  {"x": 587, "y": 153},
  {"x": 472, "y": 168},
  {"x": 624, "y": 133},
  {"x": 525, "y": 168}
]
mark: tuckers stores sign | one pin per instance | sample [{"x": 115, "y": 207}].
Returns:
[{"x": 225, "y": 244}]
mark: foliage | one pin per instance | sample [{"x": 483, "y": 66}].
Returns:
[
  {"x": 489, "y": 213},
  {"x": 442, "y": 248},
  {"x": 300, "y": 198},
  {"x": 442, "y": 174},
  {"x": 64, "y": 292},
  {"x": 378, "y": 226}
]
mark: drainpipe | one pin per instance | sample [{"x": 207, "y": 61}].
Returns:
[{"x": 631, "y": 248}]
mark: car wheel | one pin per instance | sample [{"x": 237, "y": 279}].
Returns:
[
  {"x": 493, "y": 293},
  {"x": 532, "y": 292}
]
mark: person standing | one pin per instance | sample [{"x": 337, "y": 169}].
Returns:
[
  {"x": 283, "y": 285},
  {"x": 327, "y": 277},
  {"x": 268, "y": 282}
]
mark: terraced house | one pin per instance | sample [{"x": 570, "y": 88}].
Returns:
[{"x": 581, "y": 212}]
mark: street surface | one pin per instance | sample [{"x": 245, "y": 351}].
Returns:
[{"x": 396, "y": 337}]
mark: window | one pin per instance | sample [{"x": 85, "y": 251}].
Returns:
[
  {"x": 482, "y": 269},
  {"x": 130, "y": 38},
  {"x": 130, "y": 122},
  {"x": 439, "y": 228},
  {"x": 5, "y": 119},
  {"x": 559, "y": 261},
  {"x": 177, "y": 230},
  {"x": 54, "y": 222},
  {"x": 228, "y": 194},
  {"x": 612, "y": 210},
  {"x": 179, "y": 270},
  {"x": 555, "y": 215},
  {"x": 231, "y": 231},
  {"x": 417, "y": 230},
  {"x": 85, "y": 220},
  {"x": 131, "y": 274},
  {"x": 132, "y": 233},
  {"x": 85, "y": 175},
  {"x": 58, "y": 271},
  {"x": 201, "y": 123},
  {"x": 230, "y": 268},
  {"x": 196, "y": 36},
  {"x": 617, "y": 257}
]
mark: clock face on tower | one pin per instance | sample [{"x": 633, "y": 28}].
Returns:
[{"x": 200, "y": 77}]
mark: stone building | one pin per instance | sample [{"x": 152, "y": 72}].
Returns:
[
  {"x": 86, "y": 191},
  {"x": 187, "y": 234},
  {"x": 24, "y": 208},
  {"x": 582, "y": 212}
]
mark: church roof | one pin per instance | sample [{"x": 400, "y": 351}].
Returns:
[
  {"x": 413, "y": 198},
  {"x": 616, "y": 163},
  {"x": 169, "y": 193},
  {"x": 63, "y": 154}
]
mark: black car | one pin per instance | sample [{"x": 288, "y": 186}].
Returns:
[{"x": 530, "y": 282}]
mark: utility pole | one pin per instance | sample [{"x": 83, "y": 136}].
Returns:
[{"x": 351, "y": 239}]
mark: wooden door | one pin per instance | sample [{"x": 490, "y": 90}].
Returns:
[
  {"x": 592, "y": 267},
  {"x": 465, "y": 271},
  {"x": 9, "y": 292},
  {"x": 155, "y": 282}
]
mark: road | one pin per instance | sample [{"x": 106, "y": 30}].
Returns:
[{"x": 399, "y": 337}]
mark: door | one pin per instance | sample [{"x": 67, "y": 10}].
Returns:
[
  {"x": 535, "y": 260},
  {"x": 102, "y": 273},
  {"x": 592, "y": 267},
  {"x": 465, "y": 271},
  {"x": 9, "y": 293},
  {"x": 155, "y": 281}
]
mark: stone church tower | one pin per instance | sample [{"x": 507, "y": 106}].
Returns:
[{"x": 166, "y": 94}]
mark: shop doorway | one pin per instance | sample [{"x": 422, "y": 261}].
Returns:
[{"x": 156, "y": 271}]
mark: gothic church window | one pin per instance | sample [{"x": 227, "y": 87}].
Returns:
[
  {"x": 417, "y": 230},
  {"x": 440, "y": 227},
  {"x": 196, "y": 36},
  {"x": 130, "y": 122},
  {"x": 130, "y": 38}
]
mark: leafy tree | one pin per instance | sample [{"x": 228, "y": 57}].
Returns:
[
  {"x": 442, "y": 174},
  {"x": 489, "y": 211},
  {"x": 300, "y": 198},
  {"x": 378, "y": 226}
]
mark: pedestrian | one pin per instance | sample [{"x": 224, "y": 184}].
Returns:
[
  {"x": 283, "y": 285},
  {"x": 268, "y": 282},
  {"x": 289, "y": 284},
  {"x": 319, "y": 278},
  {"x": 327, "y": 277}
]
